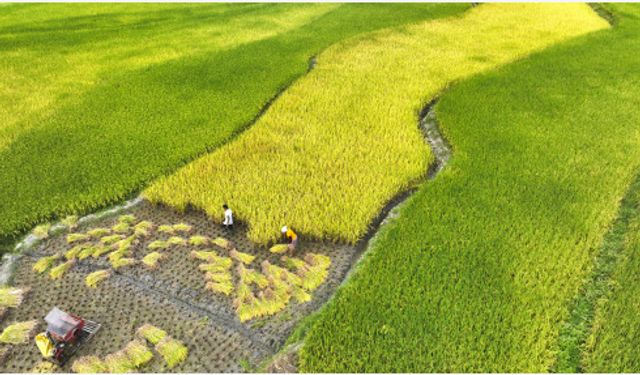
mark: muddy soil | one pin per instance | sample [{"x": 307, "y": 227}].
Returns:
[{"x": 172, "y": 297}]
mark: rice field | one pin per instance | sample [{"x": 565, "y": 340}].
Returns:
[
  {"x": 518, "y": 256},
  {"x": 342, "y": 141},
  {"x": 479, "y": 269},
  {"x": 113, "y": 97}
]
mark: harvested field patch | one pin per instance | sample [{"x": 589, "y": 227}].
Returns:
[{"x": 174, "y": 294}]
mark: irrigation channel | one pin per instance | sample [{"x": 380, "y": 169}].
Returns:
[{"x": 174, "y": 296}]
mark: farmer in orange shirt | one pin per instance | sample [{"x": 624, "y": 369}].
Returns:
[{"x": 292, "y": 237}]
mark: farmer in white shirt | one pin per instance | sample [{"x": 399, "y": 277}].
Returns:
[{"x": 228, "y": 217}]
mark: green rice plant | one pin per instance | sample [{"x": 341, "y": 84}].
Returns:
[
  {"x": 99, "y": 232},
  {"x": 44, "y": 367},
  {"x": 224, "y": 287},
  {"x": 126, "y": 219},
  {"x": 100, "y": 251},
  {"x": 121, "y": 227},
  {"x": 123, "y": 262},
  {"x": 139, "y": 353},
  {"x": 151, "y": 333},
  {"x": 218, "y": 277},
  {"x": 12, "y": 297},
  {"x": 58, "y": 271},
  {"x": 198, "y": 240},
  {"x": 18, "y": 333},
  {"x": 41, "y": 231},
  {"x": 94, "y": 278},
  {"x": 279, "y": 248},
  {"x": 71, "y": 221},
  {"x": 88, "y": 251},
  {"x": 182, "y": 227},
  {"x": 108, "y": 240},
  {"x": 77, "y": 237},
  {"x": 173, "y": 351},
  {"x": 151, "y": 260},
  {"x": 223, "y": 243},
  {"x": 119, "y": 363},
  {"x": 158, "y": 244},
  {"x": 167, "y": 229},
  {"x": 177, "y": 241},
  {"x": 89, "y": 365},
  {"x": 44, "y": 263},
  {"x": 241, "y": 257}
]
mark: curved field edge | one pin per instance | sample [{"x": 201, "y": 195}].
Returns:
[
  {"x": 593, "y": 315},
  {"x": 342, "y": 141},
  {"x": 135, "y": 125},
  {"x": 612, "y": 342},
  {"x": 478, "y": 272}
]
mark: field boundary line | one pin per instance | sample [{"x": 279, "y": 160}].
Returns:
[
  {"x": 596, "y": 287},
  {"x": 442, "y": 152}
]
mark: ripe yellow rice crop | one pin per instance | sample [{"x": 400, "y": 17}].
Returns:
[
  {"x": 279, "y": 249},
  {"x": 143, "y": 229},
  {"x": 139, "y": 353},
  {"x": 127, "y": 219},
  {"x": 223, "y": 243},
  {"x": 158, "y": 244},
  {"x": 58, "y": 271},
  {"x": 18, "y": 333},
  {"x": 70, "y": 221},
  {"x": 198, "y": 240},
  {"x": 108, "y": 240},
  {"x": 87, "y": 252},
  {"x": 173, "y": 351},
  {"x": 74, "y": 251},
  {"x": 12, "y": 297},
  {"x": 343, "y": 140},
  {"x": 98, "y": 232},
  {"x": 77, "y": 237},
  {"x": 177, "y": 241},
  {"x": 224, "y": 287},
  {"x": 182, "y": 227},
  {"x": 89, "y": 365},
  {"x": 151, "y": 333},
  {"x": 219, "y": 277},
  {"x": 241, "y": 257},
  {"x": 168, "y": 229},
  {"x": 119, "y": 363},
  {"x": 100, "y": 251},
  {"x": 44, "y": 263},
  {"x": 123, "y": 262},
  {"x": 121, "y": 227},
  {"x": 41, "y": 231},
  {"x": 94, "y": 278},
  {"x": 151, "y": 260}
]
